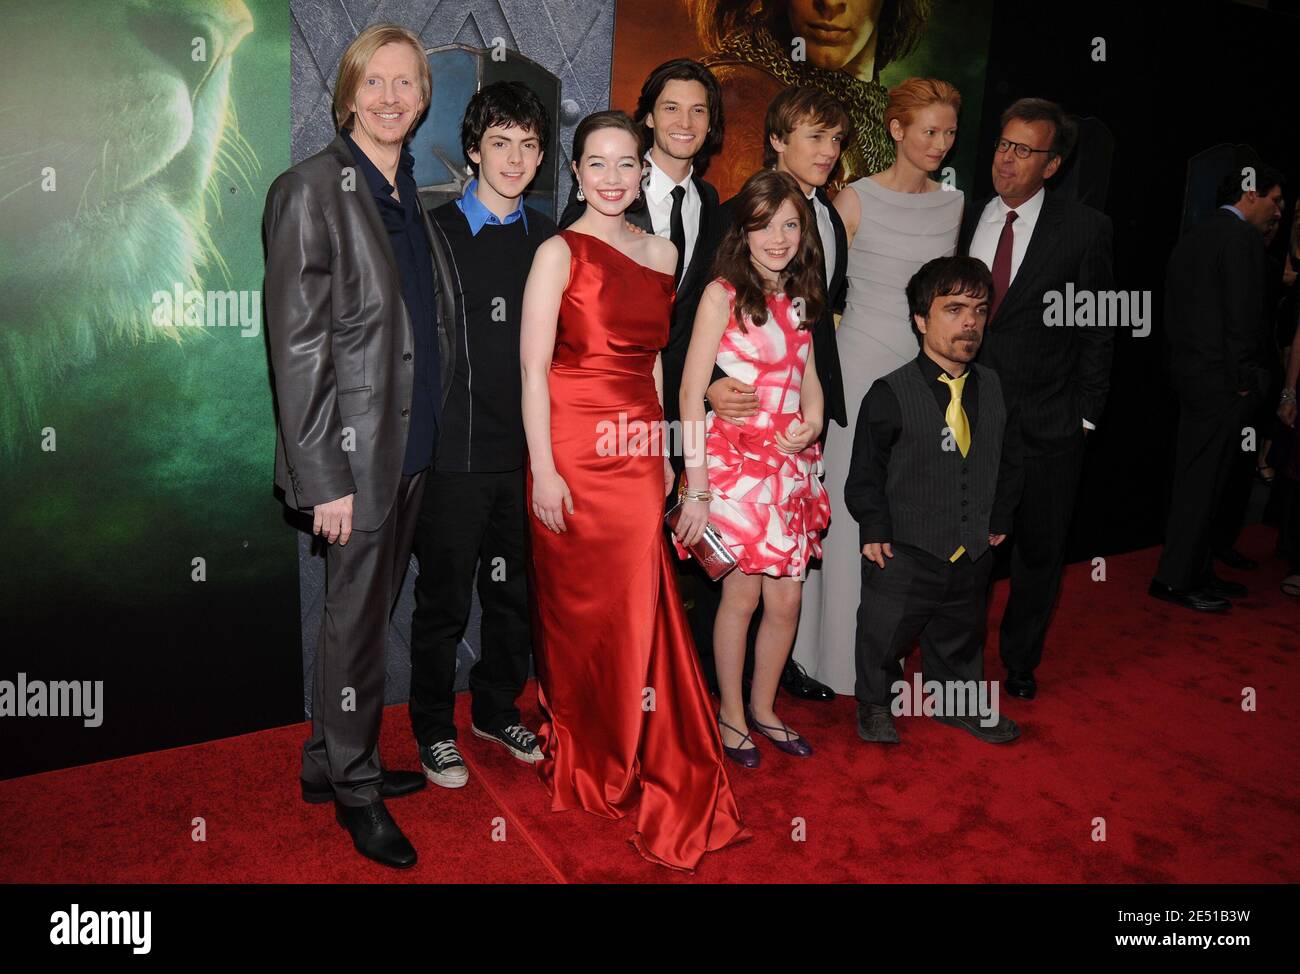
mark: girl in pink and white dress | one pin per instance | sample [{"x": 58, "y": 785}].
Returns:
[{"x": 756, "y": 482}]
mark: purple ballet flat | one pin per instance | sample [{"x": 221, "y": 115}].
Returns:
[
  {"x": 791, "y": 743},
  {"x": 746, "y": 757}
]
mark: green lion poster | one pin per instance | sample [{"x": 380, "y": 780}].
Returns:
[{"x": 143, "y": 545}]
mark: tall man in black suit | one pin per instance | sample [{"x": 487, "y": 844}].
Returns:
[
  {"x": 804, "y": 135},
  {"x": 361, "y": 333},
  {"x": 1035, "y": 243},
  {"x": 1218, "y": 360}
]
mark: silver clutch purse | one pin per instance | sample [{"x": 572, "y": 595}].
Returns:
[{"x": 714, "y": 556}]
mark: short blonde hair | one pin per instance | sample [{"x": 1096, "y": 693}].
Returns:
[{"x": 352, "y": 68}]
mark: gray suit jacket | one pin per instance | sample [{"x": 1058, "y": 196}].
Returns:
[{"x": 341, "y": 342}]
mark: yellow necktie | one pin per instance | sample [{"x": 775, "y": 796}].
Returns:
[
  {"x": 956, "y": 419},
  {"x": 954, "y": 415}
]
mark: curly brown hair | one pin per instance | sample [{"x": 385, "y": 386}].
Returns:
[{"x": 752, "y": 209}]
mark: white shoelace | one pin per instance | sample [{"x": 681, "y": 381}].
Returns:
[
  {"x": 521, "y": 735},
  {"x": 446, "y": 752}
]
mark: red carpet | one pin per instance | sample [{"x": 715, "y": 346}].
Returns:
[{"x": 1139, "y": 723}]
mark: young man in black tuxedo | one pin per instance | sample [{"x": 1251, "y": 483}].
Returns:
[
  {"x": 804, "y": 135},
  {"x": 1219, "y": 363},
  {"x": 1035, "y": 243},
  {"x": 934, "y": 479}
]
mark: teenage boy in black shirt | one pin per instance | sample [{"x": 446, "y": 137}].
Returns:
[{"x": 474, "y": 512}]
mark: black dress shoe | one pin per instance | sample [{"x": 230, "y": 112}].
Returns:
[
  {"x": 1197, "y": 599},
  {"x": 1022, "y": 685},
  {"x": 1235, "y": 559},
  {"x": 1223, "y": 588},
  {"x": 396, "y": 785},
  {"x": 1003, "y": 732},
  {"x": 796, "y": 682},
  {"x": 375, "y": 834}
]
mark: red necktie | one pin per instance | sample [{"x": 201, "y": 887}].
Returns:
[{"x": 1002, "y": 264}]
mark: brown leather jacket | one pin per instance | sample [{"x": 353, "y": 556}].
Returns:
[{"x": 341, "y": 343}]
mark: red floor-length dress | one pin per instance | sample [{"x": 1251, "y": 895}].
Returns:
[{"x": 629, "y": 721}]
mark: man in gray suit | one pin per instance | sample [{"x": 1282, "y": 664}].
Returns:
[{"x": 359, "y": 321}]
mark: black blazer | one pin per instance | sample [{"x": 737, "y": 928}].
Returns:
[
  {"x": 826, "y": 348},
  {"x": 1057, "y": 376},
  {"x": 1214, "y": 307},
  {"x": 340, "y": 337},
  {"x": 695, "y": 278}
]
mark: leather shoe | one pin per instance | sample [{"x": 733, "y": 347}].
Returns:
[
  {"x": 1223, "y": 588},
  {"x": 1003, "y": 732},
  {"x": 796, "y": 682},
  {"x": 1197, "y": 599},
  {"x": 1022, "y": 685},
  {"x": 396, "y": 785},
  {"x": 375, "y": 834},
  {"x": 876, "y": 724},
  {"x": 1235, "y": 559}
]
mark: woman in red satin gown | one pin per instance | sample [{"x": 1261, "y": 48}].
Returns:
[{"x": 628, "y": 718}]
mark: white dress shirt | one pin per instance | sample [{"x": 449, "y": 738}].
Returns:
[
  {"x": 658, "y": 189},
  {"x": 984, "y": 244},
  {"x": 827, "y": 231}
]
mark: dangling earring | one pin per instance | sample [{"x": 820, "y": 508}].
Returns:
[{"x": 581, "y": 198}]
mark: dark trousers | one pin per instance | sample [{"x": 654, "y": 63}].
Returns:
[
  {"x": 363, "y": 579},
  {"x": 1209, "y": 443},
  {"x": 469, "y": 520},
  {"x": 1240, "y": 481},
  {"x": 918, "y": 596},
  {"x": 1036, "y": 551}
]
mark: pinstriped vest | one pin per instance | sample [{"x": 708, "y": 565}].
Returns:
[{"x": 938, "y": 499}]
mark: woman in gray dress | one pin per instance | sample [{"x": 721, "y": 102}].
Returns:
[{"x": 896, "y": 220}]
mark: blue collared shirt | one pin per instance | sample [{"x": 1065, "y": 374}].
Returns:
[
  {"x": 1229, "y": 206},
  {"x": 478, "y": 216},
  {"x": 410, "y": 247}
]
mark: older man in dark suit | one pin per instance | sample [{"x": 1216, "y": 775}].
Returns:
[
  {"x": 1036, "y": 243},
  {"x": 1218, "y": 360},
  {"x": 360, "y": 326}
]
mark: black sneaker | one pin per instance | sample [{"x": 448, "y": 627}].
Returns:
[
  {"x": 517, "y": 739},
  {"x": 443, "y": 764}
]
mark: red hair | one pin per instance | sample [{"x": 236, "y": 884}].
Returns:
[{"x": 910, "y": 96}]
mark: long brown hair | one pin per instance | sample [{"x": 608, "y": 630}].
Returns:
[{"x": 753, "y": 208}]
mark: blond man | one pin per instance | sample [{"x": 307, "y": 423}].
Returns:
[{"x": 360, "y": 327}]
